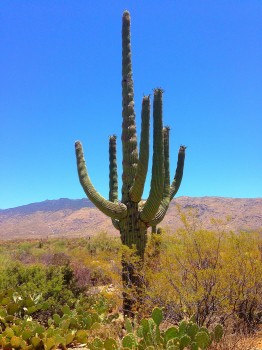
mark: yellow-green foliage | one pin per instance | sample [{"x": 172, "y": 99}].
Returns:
[{"x": 212, "y": 275}]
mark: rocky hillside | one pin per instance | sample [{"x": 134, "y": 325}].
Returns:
[{"x": 66, "y": 217}]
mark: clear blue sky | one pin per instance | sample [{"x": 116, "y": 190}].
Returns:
[{"x": 60, "y": 69}]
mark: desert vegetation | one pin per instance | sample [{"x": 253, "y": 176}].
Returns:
[{"x": 201, "y": 289}]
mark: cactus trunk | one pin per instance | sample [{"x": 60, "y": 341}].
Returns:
[
  {"x": 132, "y": 216},
  {"x": 133, "y": 231},
  {"x": 133, "y": 234}
]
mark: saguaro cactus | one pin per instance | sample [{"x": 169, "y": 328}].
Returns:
[{"x": 132, "y": 216}]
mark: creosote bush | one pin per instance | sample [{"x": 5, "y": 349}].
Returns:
[{"x": 215, "y": 276}]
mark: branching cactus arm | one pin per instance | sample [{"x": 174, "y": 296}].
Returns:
[
  {"x": 166, "y": 192},
  {"x": 166, "y": 132},
  {"x": 113, "y": 210},
  {"x": 179, "y": 172},
  {"x": 172, "y": 189},
  {"x": 113, "y": 178},
  {"x": 136, "y": 190},
  {"x": 157, "y": 182}
]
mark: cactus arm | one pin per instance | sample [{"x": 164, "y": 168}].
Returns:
[
  {"x": 129, "y": 138},
  {"x": 113, "y": 179},
  {"x": 179, "y": 172},
  {"x": 157, "y": 181},
  {"x": 113, "y": 210},
  {"x": 160, "y": 214},
  {"x": 173, "y": 188},
  {"x": 166, "y": 193},
  {"x": 136, "y": 190}
]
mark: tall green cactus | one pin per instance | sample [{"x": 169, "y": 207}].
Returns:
[{"x": 132, "y": 216}]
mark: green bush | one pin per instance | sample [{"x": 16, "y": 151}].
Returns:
[{"x": 53, "y": 283}]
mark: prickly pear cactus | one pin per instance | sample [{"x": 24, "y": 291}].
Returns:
[{"x": 149, "y": 335}]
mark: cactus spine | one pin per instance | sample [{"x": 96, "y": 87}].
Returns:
[{"x": 132, "y": 216}]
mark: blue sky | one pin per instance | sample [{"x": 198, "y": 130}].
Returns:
[{"x": 60, "y": 68}]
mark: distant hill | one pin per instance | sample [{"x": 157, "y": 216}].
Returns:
[
  {"x": 50, "y": 206},
  {"x": 67, "y": 217}
]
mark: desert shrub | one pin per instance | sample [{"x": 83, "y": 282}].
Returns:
[
  {"x": 61, "y": 270},
  {"x": 53, "y": 283},
  {"x": 242, "y": 272},
  {"x": 82, "y": 276},
  {"x": 100, "y": 243},
  {"x": 56, "y": 259},
  {"x": 215, "y": 276}
]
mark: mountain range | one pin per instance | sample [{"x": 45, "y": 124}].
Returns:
[{"x": 78, "y": 217}]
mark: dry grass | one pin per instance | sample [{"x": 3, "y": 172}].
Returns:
[{"x": 240, "y": 342}]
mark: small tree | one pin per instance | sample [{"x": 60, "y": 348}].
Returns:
[{"x": 132, "y": 216}]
